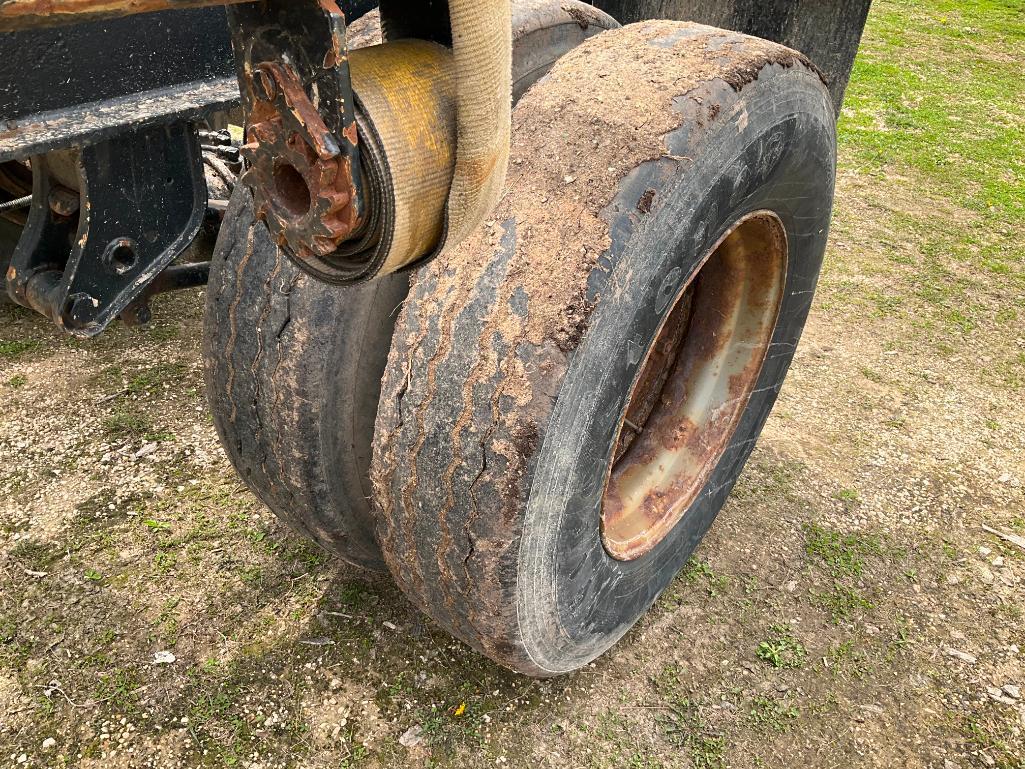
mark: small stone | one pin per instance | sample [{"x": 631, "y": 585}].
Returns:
[
  {"x": 1013, "y": 691},
  {"x": 48, "y": 743},
  {"x": 971, "y": 659},
  {"x": 998, "y": 561},
  {"x": 412, "y": 737},
  {"x": 997, "y": 695},
  {"x": 146, "y": 450},
  {"x": 389, "y": 625},
  {"x": 163, "y": 658},
  {"x": 984, "y": 551}
]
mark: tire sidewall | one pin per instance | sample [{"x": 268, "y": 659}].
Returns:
[{"x": 772, "y": 148}]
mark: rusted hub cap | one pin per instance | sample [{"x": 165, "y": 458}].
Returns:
[
  {"x": 301, "y": 182},
  {"x": 694, "y": 385}
]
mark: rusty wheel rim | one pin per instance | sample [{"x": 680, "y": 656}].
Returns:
[{"x": 694, "y": 385}]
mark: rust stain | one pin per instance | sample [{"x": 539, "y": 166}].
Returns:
[
  {"x": 28, "y": 14},
  {"x": 303, "y": 186},
  {"x": 694, "y": 385}
]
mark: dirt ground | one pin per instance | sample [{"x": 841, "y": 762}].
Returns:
[{"x": 848, "y": 608}]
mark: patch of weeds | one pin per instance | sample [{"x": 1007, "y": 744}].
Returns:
[
  {"x": 843, "y": 554},
  {"x": 987, "y": 738},
  {"x": 15, "y": 348},
  {"x": 699, "y": 571},
  {"x": 165, "y": 561},
  {"x": 872, "y": 376},
  {"x": 356, "y": 754},
  {"x": 683, "y": 726},
  {"x": 123, "y": 423},
  {"x": 251, "y": 575},
  {"x": 770, "y": 714},
  {"x": 901, "y": 639},
  {"x": 1012, "y": 372},
  {"x": 168, "y": 622},
  {"x": 442, "y": 728},
  {"x": 619, "y": 744},
  {"x": 764, "y": 479},
  {"x": 307, "y": 554},
  {"x": 16, "y": 381},
  {"x": 782, "y": 650},
  {"x": 156, "y": 376},
  {"x": 118, "y": 690},
  {"x": 8, "y": 628},
  {"x": 845, "y": 656},
  {"x": 34, "y": 555},
  {"x": 162, "y": 332},
  {"x": 848, "y": 496},
  {"x": 842, "y": 602}
]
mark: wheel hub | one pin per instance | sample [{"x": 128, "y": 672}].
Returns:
[{"x": 694, "y": 386}]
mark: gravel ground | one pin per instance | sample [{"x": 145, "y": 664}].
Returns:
[{"x": 859, "y": 602}]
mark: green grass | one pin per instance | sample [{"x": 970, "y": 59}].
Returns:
[
  {"x": 842, "y": 554},
  {"x": 160, "y": 375},
  {"x": 842, "y": 602},
  {"x": 683, "y": 726},
  {"x": 781, "y": 649},
  {"x": 772, "y": 715},
  {"x": 937, "y": 96},
  {"x": 127, "y": 423},
  {"x": 15, "y": 348}
]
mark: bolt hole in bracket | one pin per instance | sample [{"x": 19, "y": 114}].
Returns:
[{"x": 301, "y": 149}]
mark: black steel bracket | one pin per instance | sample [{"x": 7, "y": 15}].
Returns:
[{"x": 143, "y": 198}]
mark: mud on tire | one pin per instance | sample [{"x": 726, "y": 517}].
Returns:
[
  {"x": 294, "y": 366},
  {"x": 659, "y": 173}
]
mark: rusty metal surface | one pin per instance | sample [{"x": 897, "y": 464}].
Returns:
[
  {"x": 32, "y": 14},
  {"x": 694, "y": 385},
  {"x": 302, "y": 183},
  {"x": 302, "y": 143}
]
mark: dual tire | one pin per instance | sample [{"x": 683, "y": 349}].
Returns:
[{"x": 568, "y": 396}]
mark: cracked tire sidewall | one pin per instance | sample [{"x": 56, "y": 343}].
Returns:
[
  {"x": 290, "y": 379},
  {"x": 294, "y": 366}
]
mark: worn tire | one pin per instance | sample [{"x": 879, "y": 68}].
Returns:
[
  {"x": 514, "y": 359},
  {"x": 293, "y": 366}
]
